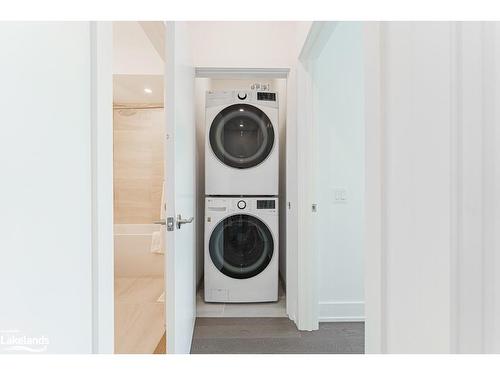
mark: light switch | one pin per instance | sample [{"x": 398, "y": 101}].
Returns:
[{"x": 339, "y": 195}]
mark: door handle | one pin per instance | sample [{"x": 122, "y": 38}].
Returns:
[
  {"x": 169, "y": 222},
  {"x": 181, "y": 221}
]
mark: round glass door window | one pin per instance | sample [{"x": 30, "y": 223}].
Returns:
[
  {"x": 241, "y": 246},
  {"x": 241, "y": 136}
]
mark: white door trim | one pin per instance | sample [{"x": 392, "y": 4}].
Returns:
[
  {"x": 307, "y": 281},
  {"x": 307, "y": 257},
  {"x": 241, "y": 73},
  {"x": 374, "y": 208},
  {"x": 101, "y": 76}
]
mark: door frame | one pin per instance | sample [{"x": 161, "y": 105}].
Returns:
[
  {"x": 308, "y": 259},
  {"x": 288, "y": 74},
  {"x": 307, "y": 254},
  {"x": 101, "y": 77}
]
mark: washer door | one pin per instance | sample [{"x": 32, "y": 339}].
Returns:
[
  {"x": 241, "y": 136},
  {"x": 241, "y": 246}
]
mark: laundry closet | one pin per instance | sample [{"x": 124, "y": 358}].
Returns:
[{"x": 241, "y": 149}]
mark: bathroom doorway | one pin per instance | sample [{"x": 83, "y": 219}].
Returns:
[{"x": 138, "y": 192}]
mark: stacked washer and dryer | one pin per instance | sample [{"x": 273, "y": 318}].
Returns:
[{"x": 241, "y": 196}]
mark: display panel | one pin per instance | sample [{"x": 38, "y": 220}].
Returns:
[
  {"x": 267, "y": 96},
  {"x": 266, "y": 204}
]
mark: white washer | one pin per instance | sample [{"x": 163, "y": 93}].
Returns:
[
  {"x": 241, "y": 143},
  {"x": 241, "y": 249}
]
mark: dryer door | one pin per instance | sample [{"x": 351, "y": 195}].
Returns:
[
  {"x": 241, "y": 246},
  {"x": 242, "y": 136}
]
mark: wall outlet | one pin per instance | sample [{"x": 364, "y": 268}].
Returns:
[{"x": 339, "y": 195}]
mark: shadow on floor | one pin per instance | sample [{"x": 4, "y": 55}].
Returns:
[{"x": 274, "y": 336}]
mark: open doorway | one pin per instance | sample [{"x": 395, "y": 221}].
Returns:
[{"x": 139, "y": 201}]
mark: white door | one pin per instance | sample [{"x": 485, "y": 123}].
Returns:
[{"x": 180, "y": 190}]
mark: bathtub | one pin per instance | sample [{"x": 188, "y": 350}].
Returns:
[{"x": 133, "y": 256}]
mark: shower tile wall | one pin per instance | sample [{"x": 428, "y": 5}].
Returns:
[{"x": 138, "y": 165}]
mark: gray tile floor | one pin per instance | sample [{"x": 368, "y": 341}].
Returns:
[{"x": 274, "y": 336}]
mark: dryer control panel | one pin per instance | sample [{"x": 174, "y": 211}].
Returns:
[{"x": 226, "y": 98}]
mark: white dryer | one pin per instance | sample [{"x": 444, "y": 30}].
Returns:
[
  {"x": 241, "y": 249},
  {"x": 241, "y": 143}
]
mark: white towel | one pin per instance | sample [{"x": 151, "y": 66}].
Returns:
[
  {"x": 157, "y": 242},
  {"x": 162, "y": 203},
  {"x": 161, "y": 299}
]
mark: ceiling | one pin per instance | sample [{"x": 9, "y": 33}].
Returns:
[
  {"x": 138, "y": 62},
  {"x": 133, "y": 51},
  {"x": 129, "y": 89}
]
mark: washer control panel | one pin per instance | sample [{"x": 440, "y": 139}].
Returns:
[{"x": 216, "y": 206}]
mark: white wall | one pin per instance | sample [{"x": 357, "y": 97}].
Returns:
[
  {"x": 243, "y": 44},
  {"x": 437, "y": 144},
  {"x": 417, "y": 209},
  {"x": 45, "y": 200},
  {"x": 339, "y": 146}
]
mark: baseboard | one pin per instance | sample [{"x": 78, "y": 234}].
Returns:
[{"x": 352, "y": 311}]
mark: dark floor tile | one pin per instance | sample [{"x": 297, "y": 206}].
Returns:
[
  {"x": 243, "y": 321},
  {"x": 243, "y": 331},
  {"x": 274, "y": 336}
]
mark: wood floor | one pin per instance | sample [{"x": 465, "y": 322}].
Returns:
[
  {"x": 161, "y": 348},
  {"x": 139, "y": 317},
  {"x": 274, "y": 336}
]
